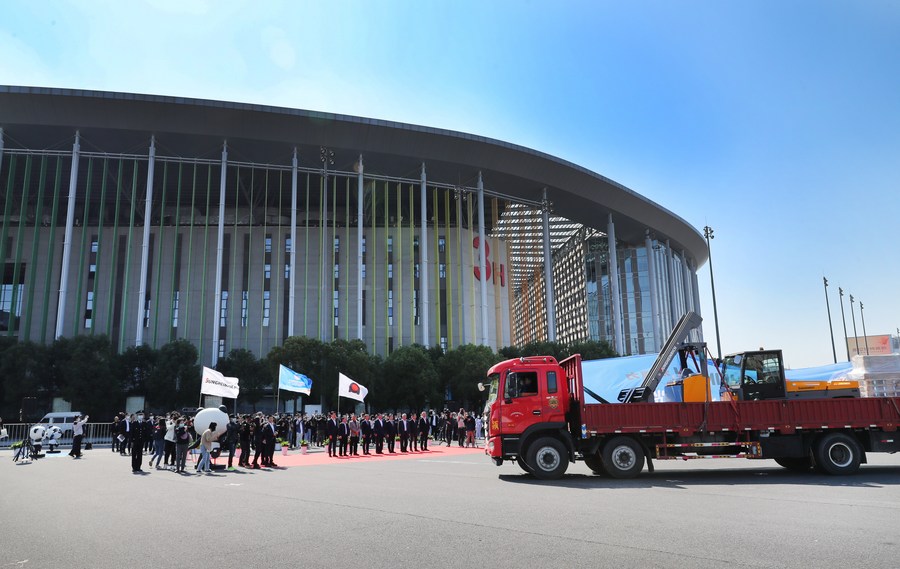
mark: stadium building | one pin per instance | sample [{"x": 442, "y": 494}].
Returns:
[{"x": 151, "y": 218}]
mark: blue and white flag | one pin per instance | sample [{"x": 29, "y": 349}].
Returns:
[{"x": 290, "y": 380}]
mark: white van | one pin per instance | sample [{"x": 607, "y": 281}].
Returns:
[{"x": 62, "y": 420}]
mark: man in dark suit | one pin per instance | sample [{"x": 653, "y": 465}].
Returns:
[
  {"x": 343, "y": 435},
  {"x": 378, "y": 432},
  {"x": 403, "y": 427},
  {"x": 271, "y": 435},
  {"x": 331, "y": 431},
  {"x": 365, "y": 428},
  {"x": 390, "y": 431},
  {"x": 140, "y": 432},
  {"x": 423, "y": 432}
]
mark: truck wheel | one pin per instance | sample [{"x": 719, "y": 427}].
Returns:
[
  {"x": 523, "y": 465},
  {"x": 838, "y": 453},
  {"x": 595, "y": 463},
  {"x": 623, "y": 457},
  {"x": 548, "y": 458},
  {"x": 795, "y": 464}
]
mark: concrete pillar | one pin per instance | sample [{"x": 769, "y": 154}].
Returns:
[{"x": 145, "y": 248}]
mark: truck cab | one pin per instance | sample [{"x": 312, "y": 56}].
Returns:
[
  {"x": 528, "y": 400},
  {"x": 754, "y": 376}
]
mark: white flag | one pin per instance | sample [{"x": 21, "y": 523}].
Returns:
[
  {"x": 350, "y": 389},
  {"x": 214, "y": 383}
]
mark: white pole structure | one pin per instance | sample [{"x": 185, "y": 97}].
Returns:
[
  {"x": 548, "y": 270},
  {"x": 145, "y": 248},
  {"x": 359, "y": 250},
  {"x": 423, "y": 253},
  {"x": 654, "y": 302},
  {"x": 294, "y": 248},
  {"x": 615, "y": 300},
  {"x": 670, "y": 265},
  {"x": 687, "y": 293},
  {"x": 67, "y": 240},
  {"x": 482, "y": 261},
  {"x": 220, "y": 251},
  {"x": 696, "y": 294}
]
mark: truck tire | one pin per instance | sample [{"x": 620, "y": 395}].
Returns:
[
  {"x": 623, "y": 457},
  {"x": 595, "y": 463},
  {"x": 795, "y": 464},
  {"x": 838, "y": 453},
  {"x": 547, "y": 458},
  {"x": 523, "y": 465}
]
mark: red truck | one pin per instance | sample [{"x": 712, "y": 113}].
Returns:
[{"x": 537, "y": 415}]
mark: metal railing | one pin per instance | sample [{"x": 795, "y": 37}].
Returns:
[{"x": 95, "y": 433}]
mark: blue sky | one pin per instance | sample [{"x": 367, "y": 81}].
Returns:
[{"x": 776, "y": 123}]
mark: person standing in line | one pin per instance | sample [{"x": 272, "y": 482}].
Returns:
[
  {"x": 331, "y": 431},
  {"x": 271, "y": 434},
  {"x": 461, "y": 427},
  {"x": 403, "y": 430},
  {"x": 423, "y": 431},
  {"x": 182, "y": 443},
  {"x": 232, "y": 433},
  {"x": 413, "y": 432},
  {"x": 139, "y": 434},
  {"x": 245, "y": 437},
  {"x": 353, "y": 427},
  {"x": 390, "y": 433},
  {"x": 470, "y": 429},
  {"x": 378, "y": 433},
  {"x": 77, "y": 435},
  {"x": 114, "y": 430},
  {"x": 479, "y": 425},
  {"x": 365, "y": 428},
  {"x": 343, "y": 434},
  {"x": 125, "y": 431},
  {"x": 206, "y": 441},
  {"x": 159, "y": 442}
]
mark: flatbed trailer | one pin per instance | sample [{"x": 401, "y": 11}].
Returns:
[{"x": 538, "y": 417}]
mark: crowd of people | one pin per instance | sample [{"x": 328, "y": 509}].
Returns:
[{"x": 169, "y": 438}]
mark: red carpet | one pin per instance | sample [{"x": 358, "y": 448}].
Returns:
[{"x": 319, "y": 456}]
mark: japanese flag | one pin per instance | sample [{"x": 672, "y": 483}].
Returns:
[{"x": 350, "y": 389}]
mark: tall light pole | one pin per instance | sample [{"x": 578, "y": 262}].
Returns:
[
  {"x": 844, "y": 320},
  {"x": 865, "y": 336},
  {"x": 708, "y": 233},
  {"x": 853, "y": 317},
  {"x": 830, "y": 327}
]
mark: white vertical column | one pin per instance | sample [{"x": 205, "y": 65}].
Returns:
[
  {"x": 696, "y": 287},
  {"x": 654, "y": 300},
  {"x": 482, "y": 261},
  {"x": 670, "y": 266},
  {"x": 459, "y": 306},
  {"x": 548, "y": 270},
  {"x": 615, "y": 300},
  {"x": 145, "y": 248},
  {"x": 294, "y": 249},
  {"x": 359, "y": 250},
  {"x": 67, "y": 240},
  {"x": 220, "y": 251},
  {"x": 423, "y": 256},
  {"x": 686, "y": 283}
]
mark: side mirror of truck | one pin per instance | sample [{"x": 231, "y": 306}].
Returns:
[{"x": 480, "y": 386}]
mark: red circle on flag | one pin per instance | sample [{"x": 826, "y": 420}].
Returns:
[{"x": 354, "y": 388}]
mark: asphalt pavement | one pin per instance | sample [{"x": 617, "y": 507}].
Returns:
[{"x": 444, "y": 509}]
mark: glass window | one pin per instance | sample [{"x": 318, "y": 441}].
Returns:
[{"x": 551, "y": 382}]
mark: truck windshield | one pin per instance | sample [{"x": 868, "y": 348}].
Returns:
[{"x": 493, "y": 388}]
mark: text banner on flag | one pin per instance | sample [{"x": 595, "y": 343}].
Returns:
[
  {"x": 290, "y": 380},
  {"x": 351, "y": 389},
  {"x": 214, "y": 383}
]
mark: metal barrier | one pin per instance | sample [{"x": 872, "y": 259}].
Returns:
[{"x": 95, "y": 433}]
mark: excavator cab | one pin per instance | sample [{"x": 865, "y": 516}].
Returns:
[{"x": 753, "y": 376}]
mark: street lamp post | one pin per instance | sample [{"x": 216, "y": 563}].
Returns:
[
  {"x": 830, "y": 327},
  {"x": 865, "y": 336},
  {"x": 853, "y": 317},
  {"x": 844, "y": 320},
  {"x": 708, "y": 233}
]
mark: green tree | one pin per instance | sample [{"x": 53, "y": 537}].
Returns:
[
  {"x": 462, "y": 368},
  {"x": 410, "y": 378},
  {"x": 254, "y": 374},
  {"x": 86, "y": 365},
  {"x": 134, "y": 366},
  {"x": 24, "y": 367},
  {"x": 591, "y": 350},
  {"x": 175, "y": 380}
]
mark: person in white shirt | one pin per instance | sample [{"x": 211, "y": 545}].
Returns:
[{"x": 77, "y": 435}]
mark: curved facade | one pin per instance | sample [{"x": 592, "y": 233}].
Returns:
[{"x": 235, "y": 226}]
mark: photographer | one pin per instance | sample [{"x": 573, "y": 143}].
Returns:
[{"x": 183, "y": 440}]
